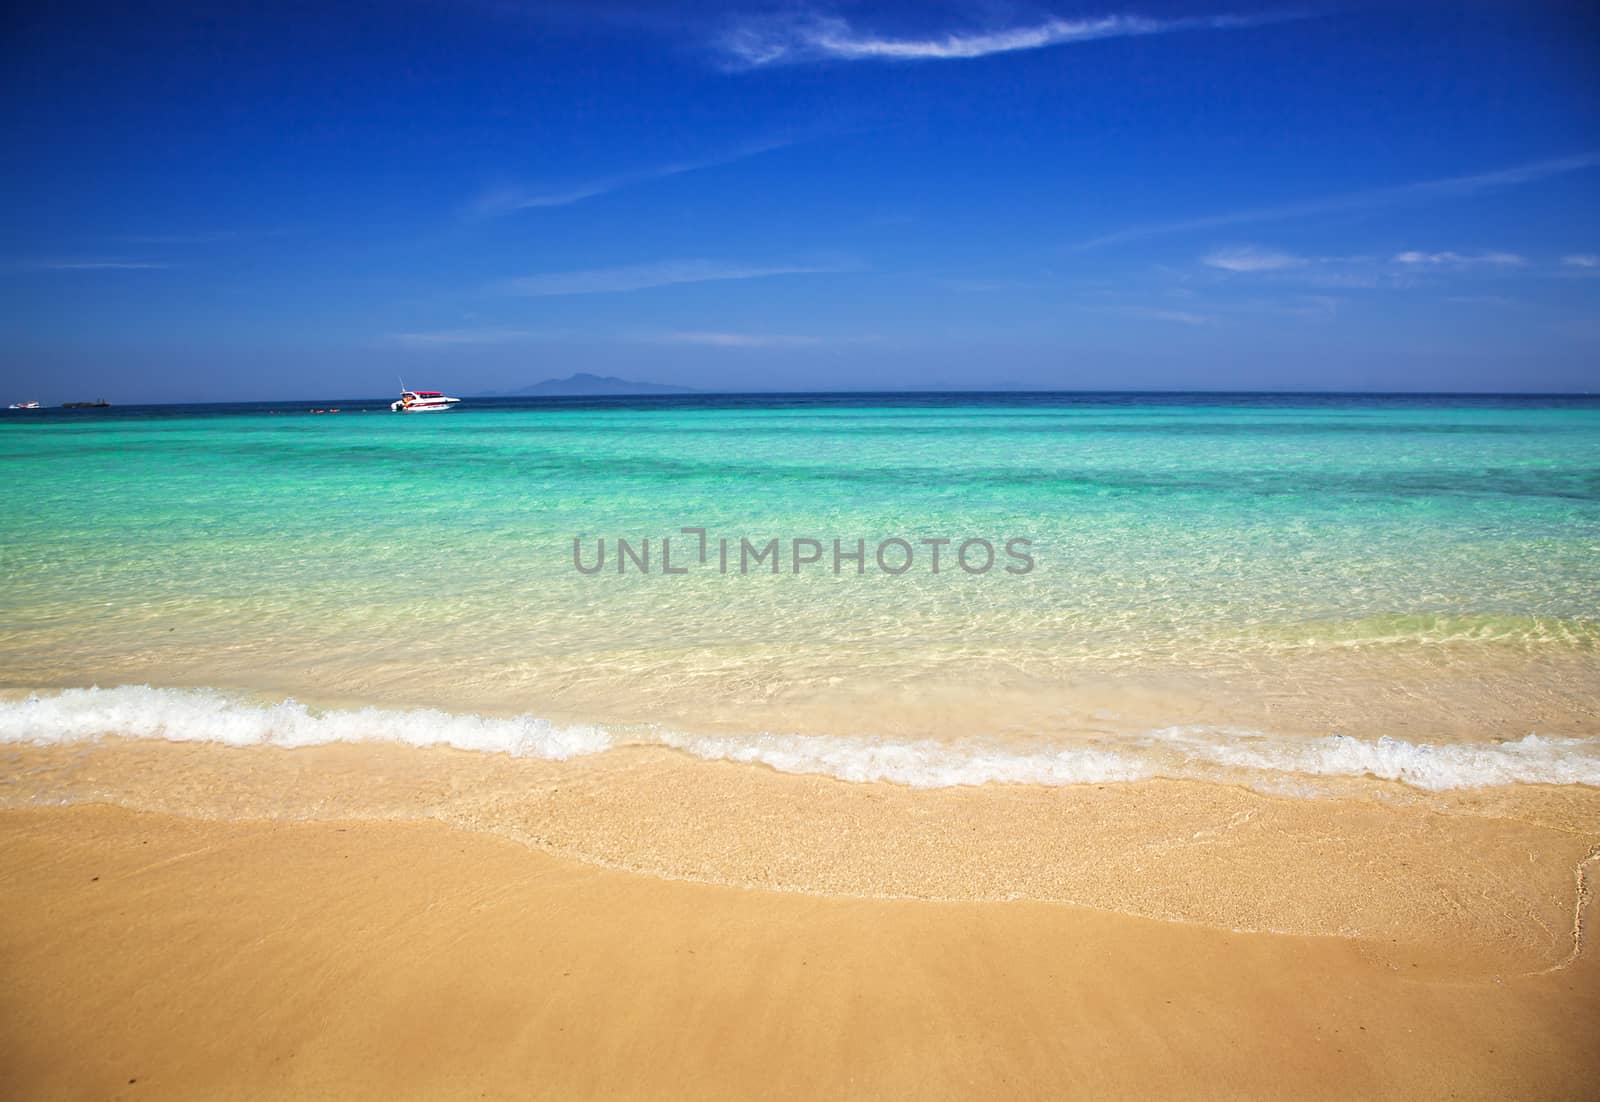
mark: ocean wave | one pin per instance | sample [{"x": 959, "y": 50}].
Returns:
[
  {"x": 204, "y": 715},
  {"x": 1174, "y": 752},
  {"x": 1203, "y": 752}
]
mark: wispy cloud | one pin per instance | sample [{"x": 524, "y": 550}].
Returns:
[
  {"x": 1302, "y": 307},
  {"x": 1395, "y": 271},
  {"x": 982, "y": 286},
  {"x": 1175, "y": 317},
  {"x": 1581, "y": 260},
  {"x": 208, "y": 237},
  {"x": 812, "y": 36},
  {"x": 490, "y": 335},
  {"x": 1461, "y": 260},
  {"x": 637, "y": 277},
  {"x": 507, "y": 200},
  {"x": 1453, "y": 186},
  {"x": 95, "y": 265},
  {"x": 1249, "y": 258},
  {"x": 1312, "y": 307},
  {"x": 735, "y": 340},
  {"x": 465, "y": 336},
  {"x": 1479, "y": 300}
]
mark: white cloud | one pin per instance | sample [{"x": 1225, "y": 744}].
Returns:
[
  {"x": 812, "y": 37},
  {"x": 1248, "y": 258},
  {"x": 506, "y": 200},
  {"x": 465, "y": 336},
  {"x": 209, "y": 237},
  {"x": 92, "y": 265},
  {"x": 1399, "y": 270},
  {"x": 637, "y": 277},
  {"x": 736, "y": 340},
  {"x": 983, "y": 286},
  {"x": 1314, "y": 307},
  {"x": 1461, "y": 260},
  {"x": 1454, "y": 186},
  {"x": 1582, "y": 260},
  {"x": 1177, "y": 317},
  {"x": 1304, "y": 307},
  {"x": 1480, "y": 300}
]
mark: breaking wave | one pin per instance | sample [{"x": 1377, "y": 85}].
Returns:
[{"x": 179, "y": 715}]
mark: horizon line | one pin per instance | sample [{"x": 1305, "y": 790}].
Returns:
[{"x": 691, "y": 394}]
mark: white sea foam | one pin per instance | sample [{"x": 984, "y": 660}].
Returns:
[
  {"x": 1201, "y": 752},
  {"x": 919, "y": 764},
  {"x": 1533, "y": 759},
  {"x": 181, "y": 715},
  {"x": 79, "y": 715}
]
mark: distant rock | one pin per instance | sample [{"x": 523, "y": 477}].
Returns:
[{"x": 585, "y": 383}]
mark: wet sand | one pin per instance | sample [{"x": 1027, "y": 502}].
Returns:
[
  {"x": 171, "y": 957},
  {"x": 1481, "y": 879}
]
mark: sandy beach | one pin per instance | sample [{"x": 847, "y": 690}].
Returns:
[
  {"x": 1277, "y": 783},
  {"x": 959, "y": 551},
  {"x": 158, "y": 956}
]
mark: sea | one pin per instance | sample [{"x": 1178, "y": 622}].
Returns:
[{"x": 921, "y": 589}]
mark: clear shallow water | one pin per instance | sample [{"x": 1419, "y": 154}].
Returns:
[{"x": 1417, "y": 567}]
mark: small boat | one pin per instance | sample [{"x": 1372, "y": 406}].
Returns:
[
  {"x": 23, "y": 405},
  {"x": 422, "y": 401}
]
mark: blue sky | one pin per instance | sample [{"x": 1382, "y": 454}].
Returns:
[{"x": 297, "y": 200}]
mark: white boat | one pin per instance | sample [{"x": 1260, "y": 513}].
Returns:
[
  {"x": 23, "y": 405},
  {"x": 422, "y": 401}
]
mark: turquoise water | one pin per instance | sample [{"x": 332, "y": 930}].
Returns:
[{"x": 1204, "y": 555}]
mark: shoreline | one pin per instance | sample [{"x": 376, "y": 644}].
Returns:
[
  {"x": 1486, "y": 876},
  {"x": 1447, "y": 690},
  {"x": 151, "y": 953}
]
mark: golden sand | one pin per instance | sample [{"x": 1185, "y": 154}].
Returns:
[
  {"x": 1485, "y": 879},
  {"x": 155, "y": 956},
  {"x": 378, "y": 920}
]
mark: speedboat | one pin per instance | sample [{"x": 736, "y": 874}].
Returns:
[
  {"x": 422, "y": 401},
  {"x": 35, "y": 405}
]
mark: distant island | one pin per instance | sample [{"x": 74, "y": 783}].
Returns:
[{"x": 585, "y": 383}]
